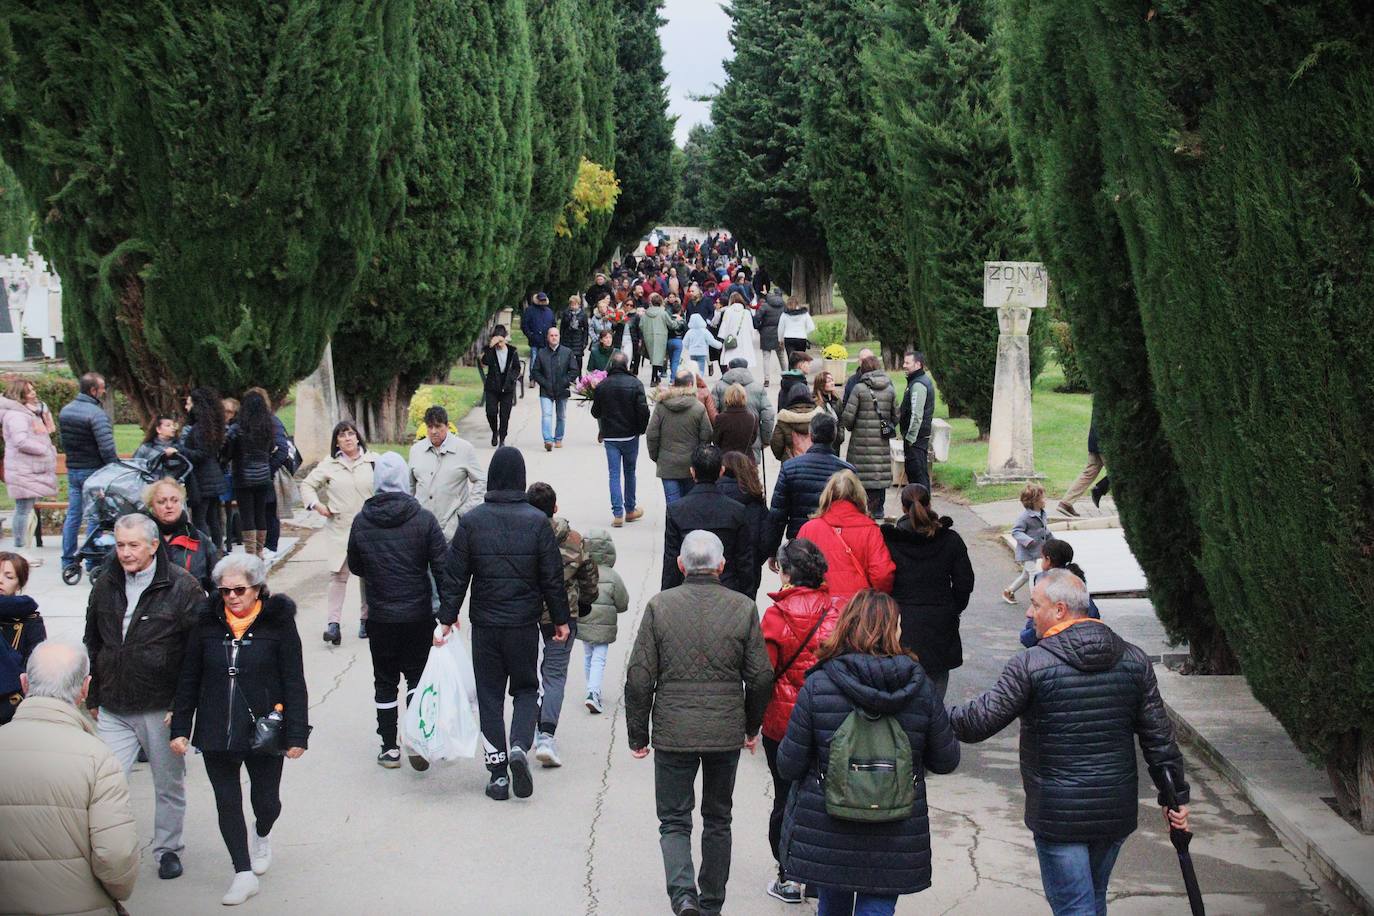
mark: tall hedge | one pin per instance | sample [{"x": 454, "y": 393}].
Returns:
[
  {"x": 643, "y": 129},
  {"x": 938, "y": 93},
  {"x": 1055, "y": 134},
  {"x": 212, "y": 177},
  {"x": 851, "y": 182},
  {"x": 757, "y": 174},
  {"x": 443, "y": 263},
  {"x": 1237, "y": 141}
]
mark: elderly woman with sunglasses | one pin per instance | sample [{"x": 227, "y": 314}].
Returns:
[{"x": 243, "y": 661}]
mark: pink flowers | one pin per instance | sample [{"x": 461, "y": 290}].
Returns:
[{"x": 585, "y": 387}]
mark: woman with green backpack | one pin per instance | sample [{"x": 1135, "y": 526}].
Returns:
[{"x": 865, "y": 728}]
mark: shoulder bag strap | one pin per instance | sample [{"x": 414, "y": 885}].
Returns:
[
  {"x": 853, "y": 559},
  {"x": 806, "y": 641}
]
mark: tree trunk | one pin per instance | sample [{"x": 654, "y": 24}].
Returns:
[
  {"x": 813, "y": 283},
  {"x": 381, "y": 419},
  {"x": 854, "y": 329}
]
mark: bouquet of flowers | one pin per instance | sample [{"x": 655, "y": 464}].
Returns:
[{"x": 585, "y": 388}]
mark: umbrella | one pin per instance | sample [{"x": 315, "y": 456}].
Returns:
[{"x": 1181, "y": 839}]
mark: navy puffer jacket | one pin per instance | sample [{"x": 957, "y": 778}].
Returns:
[
  {"x": 888, "y": 858},
  {"x": 797, "y": 492},
  {"x": 1084, "y": 696},
  {"x": 394, "y": 546}
]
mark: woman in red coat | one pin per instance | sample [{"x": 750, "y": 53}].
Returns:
[
  {"x": 802, "y": 614},
  {"x": 851, "y": 541}
]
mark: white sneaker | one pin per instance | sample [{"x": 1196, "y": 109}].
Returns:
[
  {"x": 268, "y": 555},
  {"x": 546, "y": 750},
  {"x": 244, "y": 886},
  {"x": 260, "y": 851}
]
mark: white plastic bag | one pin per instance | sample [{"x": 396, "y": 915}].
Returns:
[{"x": 441, "y": 720}]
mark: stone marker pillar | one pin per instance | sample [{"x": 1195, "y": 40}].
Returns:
[
  {"x": 1014, "y": 288},
  {"x": 317, "y": 410}
]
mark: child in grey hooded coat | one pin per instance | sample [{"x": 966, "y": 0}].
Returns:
[{"x": 597, "y": 628}]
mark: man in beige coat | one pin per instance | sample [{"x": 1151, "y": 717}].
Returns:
[
  {"x": 68, "y": 842},
  {"x": 447, "y": 477}
]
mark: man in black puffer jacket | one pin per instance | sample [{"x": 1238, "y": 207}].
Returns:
[
  {"x": 506, "y": 549},
  {"x": 1082, "y": 692},
  {"x": 394, "y": 547},
  {"x": 797, "y": 492}
]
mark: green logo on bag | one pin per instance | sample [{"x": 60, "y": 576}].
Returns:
[{"x": 429, "y": 699}]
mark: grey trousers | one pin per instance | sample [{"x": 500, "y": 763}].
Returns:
[
  {"x": 124, "y": 733},
  {"x": 675, "y": 776},
  {"x": 553, "y": 676}
]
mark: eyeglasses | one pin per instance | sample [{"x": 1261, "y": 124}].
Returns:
[{"x": 237, "y": 591}]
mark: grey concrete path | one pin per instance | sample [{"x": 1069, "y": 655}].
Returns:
[{"x": 354, "y": 838}]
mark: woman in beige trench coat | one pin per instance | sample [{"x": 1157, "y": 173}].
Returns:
[{"x": 337, "y": 489}]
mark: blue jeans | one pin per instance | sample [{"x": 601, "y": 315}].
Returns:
[
  {"x": 833, "y": 902},
  {"x": 701, "y": 364},
  {"x": 674, "y": 355},
  {"x": 622, "y": 455},
  {"x": 23, "y": 508},
  {"x": 76, "y": 513},
  {"x": 1075, "y": 875},
  {"x": 675, "y": 488},
  {"x": 546, "y": 413},
  {"x": 594, "y": 665}
]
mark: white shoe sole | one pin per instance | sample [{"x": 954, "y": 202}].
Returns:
[{"x": 260, "y": 866}]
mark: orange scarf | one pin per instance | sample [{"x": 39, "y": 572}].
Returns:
[
  {"x": 1061, "y": 627},
  {"x": 240, "y": 625}
]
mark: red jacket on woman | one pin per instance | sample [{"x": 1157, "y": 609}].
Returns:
[
  {"x": 854, "y": 550},
  {"x": 785, "y": 624}
]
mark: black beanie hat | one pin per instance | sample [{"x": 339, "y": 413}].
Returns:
[{"x": 507, "y": 470}]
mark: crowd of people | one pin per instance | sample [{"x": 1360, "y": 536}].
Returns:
[{"x": 842, "y": 678}]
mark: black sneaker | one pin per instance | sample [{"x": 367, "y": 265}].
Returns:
[
  {"x": 521, "y": 779},
  {"x": 362, "y": 629},
  {"x": 494, "y": 439},
  {"x": 687, "y": 908},
  {"x": 498, "y": 789},
  {"x": 332, "y": 635},
  {"x": 390, "y": 757}
]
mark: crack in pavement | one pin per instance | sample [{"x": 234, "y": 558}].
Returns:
[
  {"x": 972, "y": 852},
  {"x": 589, "y": 884},
  {"x": 338, "y": 681}
]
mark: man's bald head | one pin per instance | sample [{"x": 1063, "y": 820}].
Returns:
[{"x": 58, "y": 670}]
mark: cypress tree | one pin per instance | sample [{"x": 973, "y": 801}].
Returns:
[
  {"x": 1235, "y": 140},
  {"x": 576, "y": 254},
  {"x": 695, "y": 199},
  {"x": 1054, "y": 133},
  {"x": 643, "y": 130},
  {"x": 212, "y": 176},
  {"x": 756, "y": 171},
  {"x": 16, "y": 215},
  {"x": 850, "y": 179},
  {"x": 557, "y": 132},
  {"x": 442, "y": 264},
  {"x": 937, "y": 89}
]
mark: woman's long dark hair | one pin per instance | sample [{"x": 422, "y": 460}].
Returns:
[
  {"x": 741, "y": 467},
  {"x": 207, "y": 420},
  {"x": 916, "y": 502},
  {"x": 255, "y": 422}
]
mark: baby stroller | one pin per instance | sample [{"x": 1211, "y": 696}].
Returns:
[{"x": 115, "y": 490}]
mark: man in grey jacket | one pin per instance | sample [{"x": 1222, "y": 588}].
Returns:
[
  {"x": 88, "y": 442},
  {"x": 700, "y": 665}
]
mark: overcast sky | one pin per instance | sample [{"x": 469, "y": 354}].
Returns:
[{"x": 695, "y": 42}]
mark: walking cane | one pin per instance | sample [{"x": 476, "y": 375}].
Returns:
[{"x": 1181, "y": 839}]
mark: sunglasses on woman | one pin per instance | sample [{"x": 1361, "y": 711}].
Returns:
[{"x": 237, "y": 591}]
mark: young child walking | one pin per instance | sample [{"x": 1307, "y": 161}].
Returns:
[
  {"x": 1030, "y": 532},
  {"x": 597, "y": 629},
  {"x": 1056, "y": 554}
]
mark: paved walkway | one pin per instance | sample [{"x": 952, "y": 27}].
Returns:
[{"x": 354, "y": 838}]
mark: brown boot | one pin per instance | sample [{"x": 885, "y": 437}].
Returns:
[
  {"x": 259, "y": 542},
  {"x": 250, "y": 542}
]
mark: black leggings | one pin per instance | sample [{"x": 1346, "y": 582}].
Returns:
[
  {"x": 253, "y": 506},
  {"x": 264, "y": 776},
  {"x": 781, "y": 789},
  {"x": 205, "y": 516}
]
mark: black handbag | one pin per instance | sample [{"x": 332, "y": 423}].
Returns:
[{"x": 267, "y": 730}]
